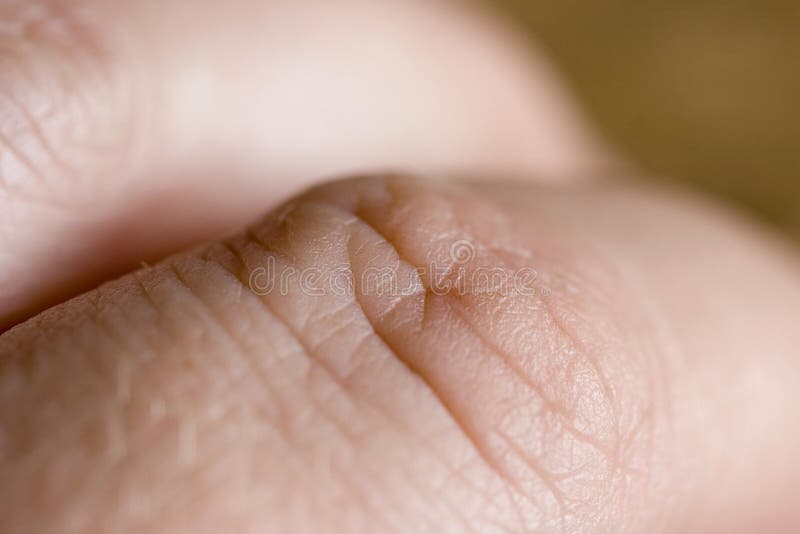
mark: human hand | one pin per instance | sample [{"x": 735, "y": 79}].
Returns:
[{"x": 553, "y": 353}]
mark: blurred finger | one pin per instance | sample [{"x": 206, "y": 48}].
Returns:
[{"x": 128, "y": 129}]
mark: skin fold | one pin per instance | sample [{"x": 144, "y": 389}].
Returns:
[
  {"x": 590, "y": 398},
  {"x": 500, "y": 341}
]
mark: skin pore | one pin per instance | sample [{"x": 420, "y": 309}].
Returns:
[{"x": 558, "y": 354}]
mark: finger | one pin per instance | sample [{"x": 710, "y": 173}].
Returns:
[
  {"x": 129, "y": 129},
  {"x": 399, "y": 355}
]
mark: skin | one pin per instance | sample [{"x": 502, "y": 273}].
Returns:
[
  {"x": 109, "y": 113},
  {"x": 637, "y": 375}
]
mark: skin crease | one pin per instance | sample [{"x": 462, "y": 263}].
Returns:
[
  {"x": 205, "y": 405},
  {"x": 640, "y": 381}
]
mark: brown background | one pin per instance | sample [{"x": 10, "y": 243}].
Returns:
[{"x": 694, "y": 90}]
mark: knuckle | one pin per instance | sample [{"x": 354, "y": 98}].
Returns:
[
  {"x": 546, "y": 376},
  {"x": 394, "y": 304}
]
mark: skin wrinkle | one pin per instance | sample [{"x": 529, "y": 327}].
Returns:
[
  {"x": 551, "y": 314},
  {"x": 474, "y": 437},
  {"x": 619, "y": 441},
  {"x": 252, "y": 237},
  {"x": 88, "y": 411},
  {"x": 39, "y": 135},
  {"x": 296, "y": 335},
  {"x": 33, "y": 358},
  {"x": 543, "y": 475},
  {"x": 580, "y": 347},
  {"x": 549, "y": 404},
  {"x": 618, "y": 469},
  {"x": 306, "y": 350},
  {"x": 96, "y": 298},
  {"x": 511, "y": 362},
  {"x": 196, "y": 463},
  {"x": 284, "y": 217},
  {"x": 385, "y": 341},
  {"x": 481, "y": 445},
  {"x": 302, "y": 350},
  {"x": 61, "y": 35},
  {"x": 477, "y": 443},
  {"x": 62, "y": 106},
  {"x": 244, "y": 354},
  {"x": 186, "y": 426},
  {"x": 312, "y": 354},
  {"x": 10, "y": 148},
  {"x": 656, "y": 375},
  {"x": 358, "y": 238}
]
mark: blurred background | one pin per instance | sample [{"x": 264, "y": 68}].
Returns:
[{"x": 702, "y": 91}]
